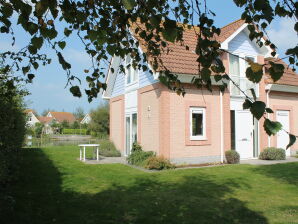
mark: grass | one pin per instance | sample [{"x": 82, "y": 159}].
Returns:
[{"x": 54, "y": 187}]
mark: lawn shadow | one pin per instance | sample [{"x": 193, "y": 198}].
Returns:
[
  {"x": 283, "y": 172},
  {"x": 195, "y": 199}
]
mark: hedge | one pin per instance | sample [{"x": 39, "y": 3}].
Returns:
[{"x": 69, "y": 131}]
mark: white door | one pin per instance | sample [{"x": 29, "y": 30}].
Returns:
[
  {"x": 244, "y": 134},
  {"x": 283, "y": 116},
  {"x": 130, "y": 131}
]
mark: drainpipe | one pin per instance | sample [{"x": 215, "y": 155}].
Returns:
[
  {"x": 221, "y": 130},
  {"x": 268, "y": 88}
]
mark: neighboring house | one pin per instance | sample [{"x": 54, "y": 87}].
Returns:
[
  {"x": 47, "y": 121},
  {"x": 55, "y": 117},
  {"x": 86, "y": 119},
  {"x": 201, "y": 126},
  {"x": 31, "y": 118},
  {"x": 62, "y": 116}
]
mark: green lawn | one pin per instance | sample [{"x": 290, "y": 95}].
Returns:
[{"x": 54, "y": 187}]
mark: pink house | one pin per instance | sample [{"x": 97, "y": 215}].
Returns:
[{"x": 202, "y": 125}]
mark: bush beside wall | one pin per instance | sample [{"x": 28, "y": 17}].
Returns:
[
  {"x": 272, "y": 153},
  {"x": 232, "y": 157},
  {"x": 108, "y": 149},
  {"x": 158, "y": 163},
  {"x": 148, "y": 159}
]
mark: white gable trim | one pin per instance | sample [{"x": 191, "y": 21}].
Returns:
[
  {"x": 225, "y": 44},
  {"x": 111, "y": 77}
]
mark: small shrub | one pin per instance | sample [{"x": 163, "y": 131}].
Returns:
[
  {"x": 136, "y": 147},
  {"x": 138, "y": 156},
  {"x": 272, "y": 153},
  {"x": 158, "y": 163},
  {"x": 232, "y": 156},
  {"x": 108, "y": 149}
]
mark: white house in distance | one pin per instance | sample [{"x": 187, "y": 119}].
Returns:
[
  {"x": 31, "y": 118},
  {"x": 86, "y": 119}
]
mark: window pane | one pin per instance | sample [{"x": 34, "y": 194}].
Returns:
[
  {"x": 128, "y": 76},
  {"x": 234, "y": 65},
  {"x": 250, "y": 59},
  {"x": 134, "y": 128},
  {"x": 197, "y": 124},
  {"x": 127, "y": 135}
]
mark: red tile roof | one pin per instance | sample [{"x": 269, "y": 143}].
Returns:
[
  {"x": 45, "y": 119},
  {"x": 289, "y": 77},
  {"x": 180, "y": 60},
  {"x": 63, "y": 116}
]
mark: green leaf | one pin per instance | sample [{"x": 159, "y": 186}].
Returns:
[
  {"x": 61, "y": 44},
  {"x": 32, "y": 49},
  {"x": 67, "y": 32},
  {"x": 276, "y": 71},
  {"x": 269, "y": 110},
  {"x": 37, "y": 42},
  {"x": 258, "y": 109},
  {"x": 254, "y": 76},
  {"x": 247, "y": 104},
  {"x": 32, "y": 28},
  {"x": 35, "y": 65},
  {"x": 205, "y": 74},
  {"x": 292, "y": 139},
  {"x": 75, "y": 90},
  {"x": 253, "y": 93},
  {"x": 92, "y": 34},
  {"x": 170, "y": 32},
  {"x": 217, "y": 78},
  {"x": 52, "y": 33},
  {"x": 272, "y": 127},
  {"x": 129, "y": 4},
  {"x": 31, "y": 76},
  {"x": 25, "y": 69}
]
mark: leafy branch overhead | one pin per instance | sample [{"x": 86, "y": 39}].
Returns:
[{"x": 118, "y": 28}]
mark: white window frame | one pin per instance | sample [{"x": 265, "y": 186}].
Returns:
[
  {"x": 197, "y": 110},
  {"x": 132, "y": 70},
  {"x": 242, "y": 70}
]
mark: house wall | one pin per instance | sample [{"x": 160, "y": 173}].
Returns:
[
  {"x": 182, "y": 150},
  {"x": 148, "y": 117},
  {"x": 242, "y": 43},
  {"x": 117, "y": 122},
  {"x": 146, "y": 79},
  {"x": 285, "y": 101},
  {"x": 33, "y": 120},
  {"x": 119, "y": 84}
]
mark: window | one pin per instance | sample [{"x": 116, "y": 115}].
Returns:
[
  {"x": 131, "y": 73},
  {"x": 197, "y": 123},
  {"x": 235, "y": 74},
  {"x": 237, "y": 70}
]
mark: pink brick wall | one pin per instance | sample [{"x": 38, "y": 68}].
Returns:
[
  {"x": 176, "y": 132},
  {"x": 148, "y": 122},
  {"x": 117, "y": 122},
  {"x": 285, "y": 101}
]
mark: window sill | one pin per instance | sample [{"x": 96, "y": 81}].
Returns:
[{"x": 192, "y": 138}]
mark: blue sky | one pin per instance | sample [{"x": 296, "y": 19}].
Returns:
[{"x": 48, "y": 88}]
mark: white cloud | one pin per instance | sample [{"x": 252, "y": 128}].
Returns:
[{"x": 283, "y": 35}]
